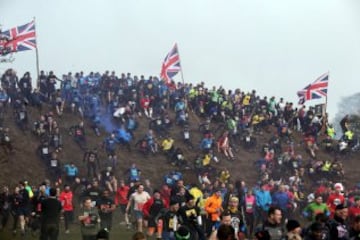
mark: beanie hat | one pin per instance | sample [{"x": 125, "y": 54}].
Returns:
[
  {"x": 339, "y": 186},
  {"x": 316, "y": 226},
  {"x": 234, "y": 199},
  {"x": 173, "y": 202},
  {"x": 292, "y": 224},
  {"x": 189, "y": 197},
  {"x": 182, "y": 233}
]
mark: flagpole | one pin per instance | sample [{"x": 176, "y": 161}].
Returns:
[
  {"x": 325, "y": 116},
  {"x": 326, "y": 99},
  {"x": 37, "y": 58},
  {"x": 182, "y": 74}
]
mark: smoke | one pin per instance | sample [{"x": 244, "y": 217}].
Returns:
[
  {"x": 107, "y": 121},
  {"x": 349, "y": 105}
]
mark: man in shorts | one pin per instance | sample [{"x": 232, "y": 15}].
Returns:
[{"x": 138, "y": 198}]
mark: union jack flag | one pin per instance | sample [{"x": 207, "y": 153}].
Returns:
[
  {"x": 20, "y": 38},
  {"x": 171, "y": 65},
  {"x": 315, "y": 90}
]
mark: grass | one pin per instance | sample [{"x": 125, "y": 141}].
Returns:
[{"x": 119, "y": 232}]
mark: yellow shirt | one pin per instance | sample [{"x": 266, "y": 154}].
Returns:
[
  {"x": 349, "y": 135},
  {"x": 224, "y": 176},
  {"x": 330, "y": 132},
  {"x": 246, "y": 100},
  {"x": 198, "y": 195},
  {"x": 167, "y": 144},
  {"x": 326, "y": 167},
  {"x": 206, "y": 160}
]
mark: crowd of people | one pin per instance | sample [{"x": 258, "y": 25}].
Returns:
[{"x": 220, "y": 205}]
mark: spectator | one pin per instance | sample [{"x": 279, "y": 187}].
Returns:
[
  {"x": 344, "y": 123},
  {"x": 50, "y": 217},
  {"x": 26, "y": 86}
]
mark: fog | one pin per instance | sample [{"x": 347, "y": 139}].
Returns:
[{"x": 276, "y": 47}]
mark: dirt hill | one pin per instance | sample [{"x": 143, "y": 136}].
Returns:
[{"x": 25, "y": 164}]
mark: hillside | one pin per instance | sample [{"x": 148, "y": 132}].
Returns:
[{"x": 24, "y": 164}]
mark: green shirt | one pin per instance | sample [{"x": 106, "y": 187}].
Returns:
[
  {"x": 314, "y": 209},
  {"x": 90, "y": 225}
]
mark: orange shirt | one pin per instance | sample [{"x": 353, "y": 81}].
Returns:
[{"x": 213, "y": 207}]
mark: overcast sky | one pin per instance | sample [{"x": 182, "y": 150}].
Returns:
[{"x": 274, "y": 46}]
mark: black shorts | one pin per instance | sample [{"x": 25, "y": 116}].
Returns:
[{"x": 23, "y": 211}]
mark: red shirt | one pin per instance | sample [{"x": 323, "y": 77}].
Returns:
[
  {"x": 321, "y": 190},
  {"x": 334, "y": 200},
  {"x": 354, "y": 211},
  {"x": 121, "y": 195},
  {"x": 165, "y": 195},
  {"x": 145, "y": 103},
  {"x": 66, "y": 199}
]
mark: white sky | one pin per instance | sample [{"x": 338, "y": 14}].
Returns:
[{"x": 274, "y": 46}]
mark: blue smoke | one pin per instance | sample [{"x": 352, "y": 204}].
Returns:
[{"x": 107, "y": 121}]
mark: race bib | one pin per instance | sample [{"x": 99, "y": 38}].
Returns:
[
  {"x": 45, "y": 151},
  {"x": 22, "y": 115},
  {"x": 171, "y": 223},
  {"x": 186, "y": 135},
  {"x": 53, "y": 163}
]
